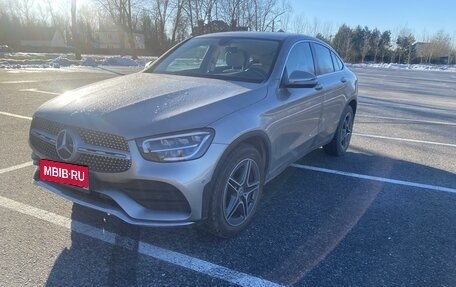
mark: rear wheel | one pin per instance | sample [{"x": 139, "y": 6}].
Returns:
[
  {"x": 341, "y": 140},
  {"x": 237, "y": 191}
]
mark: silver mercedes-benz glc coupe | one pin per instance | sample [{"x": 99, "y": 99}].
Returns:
[{"x": 195, "y": 136}]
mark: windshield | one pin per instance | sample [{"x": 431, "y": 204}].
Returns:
[{"x": 237, "y": 59}]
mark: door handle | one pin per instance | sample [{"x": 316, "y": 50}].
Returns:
[
  {"x": 343, "y": 80},
  {"x": 319, "y": 87}
]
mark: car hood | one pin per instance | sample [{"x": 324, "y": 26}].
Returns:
[{"x": 144, "y": 104}]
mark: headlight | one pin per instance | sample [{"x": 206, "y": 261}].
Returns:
[{"x": 177, "y": 147}]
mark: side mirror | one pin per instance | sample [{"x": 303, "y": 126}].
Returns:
[{"x": 301, "y": 79}]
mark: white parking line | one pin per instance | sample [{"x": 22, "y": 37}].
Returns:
[
  {"x": 376, "y": 178},
  {"x": 176, "y": 258},
  {"x": 12, "y": 168},
  {"x": 404, "y": 140},
  {"x": 401, "y": 106},
  {"x": 15, "y": 115},
  {"x": 407, "y": 120},
  {"x": 39, "y": 91}
]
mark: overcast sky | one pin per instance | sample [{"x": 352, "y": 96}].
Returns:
[{"x": 418, "y": 16}]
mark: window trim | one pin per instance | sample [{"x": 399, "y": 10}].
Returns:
[
  {"x": 330, "y": 50},
  {"x": 289, "y": 52},
  {"x": 334, "y": 55},
  {"x": 312, "y": 43}
]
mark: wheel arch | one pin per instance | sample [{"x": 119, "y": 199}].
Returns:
[
  {"x": 257, "y": 139},
  {"x": 354, "y": 104}
]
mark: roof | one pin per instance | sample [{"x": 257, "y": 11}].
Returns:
[
  {"x": 38, "y": 34},
  {"x": 278, "y": 36}
]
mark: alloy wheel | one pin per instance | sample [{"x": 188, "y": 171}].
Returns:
[
  {"x": 241, "y": 192},
  {"x": 346, "y": 131}
]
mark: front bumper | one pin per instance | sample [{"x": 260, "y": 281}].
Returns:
[{"x": 188, "y": 177}]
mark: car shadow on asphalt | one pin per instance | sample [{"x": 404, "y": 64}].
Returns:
[{"x": 312, "y": 228}]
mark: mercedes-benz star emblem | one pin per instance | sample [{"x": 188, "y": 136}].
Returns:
[{"x": 66, "y": 145}]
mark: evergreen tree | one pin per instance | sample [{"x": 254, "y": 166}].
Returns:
[
  {"x": 342, "y": 42},
  {"x": 385, "y": 44},
  {"x": 405, "y": 48}
]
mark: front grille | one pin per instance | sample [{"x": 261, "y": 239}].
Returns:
[
  {"x": 104, "y": 163},
  {"x": 44, "y": 147},
  {"x": 46, "y": 125},
  {"x": 103, "y": 139},
  {"x": 98, "y": 163},
  {"x": 92, "y": 137}
]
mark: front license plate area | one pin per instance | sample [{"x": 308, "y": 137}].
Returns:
[{"x": 65, "y": 173}]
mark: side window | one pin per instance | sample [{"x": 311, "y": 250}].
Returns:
[
  {"x": 337, "y": 62},
  {"x": 300, "y": 59},
  {"x": 324, "y": 61}
]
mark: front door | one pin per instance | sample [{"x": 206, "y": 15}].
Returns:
[{"x": 296, "y": 117}]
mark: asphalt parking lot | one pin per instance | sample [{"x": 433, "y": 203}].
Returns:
[{"x": 383, "y": 215}]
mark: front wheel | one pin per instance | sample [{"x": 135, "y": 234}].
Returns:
[
  {"x": 341, "y": 140},
  {"x": 237, "y": 191}
]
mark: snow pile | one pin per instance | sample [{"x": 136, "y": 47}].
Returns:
[
  {"x": 144, "y": 61},
  {"x": 449, "y": 68},
  {"x": 417, "y": 67},
  {"x": 54, "y": 60},
  {"x": 119, "y": 61},
  {"x": 7, "y": 65},
  {"x": 61, "y": 61},
  {"x": 89, "y": 61}
]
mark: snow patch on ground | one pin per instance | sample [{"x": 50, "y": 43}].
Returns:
[
  {"x": 54, "y": 60},
  {"x": 119, "y": 61},
  {"x": 417, "y": 67},
  {"x": 49, "y": 60}
]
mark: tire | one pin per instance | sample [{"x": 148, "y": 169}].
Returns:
[
  {"x": 341, "y": 140},
  {"x": 236, "y": 192}
]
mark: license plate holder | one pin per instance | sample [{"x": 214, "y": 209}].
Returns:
[{"x": 65, "y": 173}]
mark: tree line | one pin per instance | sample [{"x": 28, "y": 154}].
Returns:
[
  {"x": 361, "y": 44},
  {"x": 167, "y": 22},
  {"x": 163, "y": 22}
]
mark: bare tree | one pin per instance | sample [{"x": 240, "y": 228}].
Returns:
[
  {"x": 261, "y": 15},
  {"x": 24, "y": 7},
  {"x": 229, "y": 11},
  {"x": 300, "y": 25},
  {"x": 441, "y": 44},
  {"x": 58, "y": 14},
  {"x": 200, "y": 10},
  {"x": 121, "y": 12},
  {"x": 438, "y": 45},
  {"x": 423, "y": 47},
  {"x": 42, "y": 12},
  {"x": 452, "y": 55},
  {"x": 178, "y": 7},
  {"x": 74, "y": 30},
  {"x": 160, "y": 12}
]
